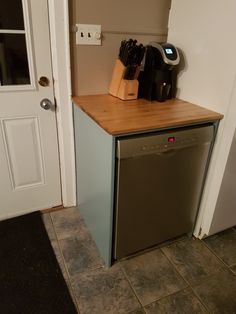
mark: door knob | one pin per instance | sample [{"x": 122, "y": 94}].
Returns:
[
  {"x": 46, "y": 104},
  {"x": 43, "y": 81}
]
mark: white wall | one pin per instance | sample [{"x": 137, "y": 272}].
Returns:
[
  {"x": 225, "y": 212},
  {"x": 205, "y": 31}
]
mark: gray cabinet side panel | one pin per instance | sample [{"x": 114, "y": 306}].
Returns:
[{"x": 95, "y": 180}]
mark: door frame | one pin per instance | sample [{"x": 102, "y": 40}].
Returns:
[
  {"x": 60, "y": 51},
  {"x": 225, "y": 136}
]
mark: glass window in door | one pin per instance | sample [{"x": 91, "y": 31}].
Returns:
[{"x": 14, "y": 65}]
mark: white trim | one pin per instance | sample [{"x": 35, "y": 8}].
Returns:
[
  {"x": 15, "y": 88},
  {"x": 11, "y": 31},
  {"x": 59, "y": 33},
  {"x": 29, "y": 50},
  {"x": 29, "y": 43}
]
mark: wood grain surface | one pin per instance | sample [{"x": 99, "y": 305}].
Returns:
[{"x": 119, "y": 117}]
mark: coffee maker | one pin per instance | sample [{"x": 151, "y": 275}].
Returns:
[{"x": 157, "y": 81}]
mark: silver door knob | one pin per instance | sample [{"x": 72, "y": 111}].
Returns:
[{"x": 46, "y": 104}]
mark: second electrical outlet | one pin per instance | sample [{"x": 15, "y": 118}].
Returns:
[{"x": 88, "y": 34}]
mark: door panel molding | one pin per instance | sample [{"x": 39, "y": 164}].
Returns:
[{"x": 25, "y": 170}]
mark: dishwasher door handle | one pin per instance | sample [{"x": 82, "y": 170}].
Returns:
[{"x": 167, "y": 153}]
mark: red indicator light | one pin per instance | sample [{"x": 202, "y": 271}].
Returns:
[{"x": 171, "y": 139}]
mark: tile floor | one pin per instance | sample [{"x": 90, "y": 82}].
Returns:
[{"x": 185, "y": 276}]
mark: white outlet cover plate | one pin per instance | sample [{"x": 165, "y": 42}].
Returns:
[{"x": 88, "y": 34}]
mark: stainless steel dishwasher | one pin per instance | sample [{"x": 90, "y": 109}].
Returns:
[{"x": 159, "y": 179}]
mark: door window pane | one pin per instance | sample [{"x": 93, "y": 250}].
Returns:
[
  {"x": 14, "y": 68},
  {"x": 11, "y": 14}
]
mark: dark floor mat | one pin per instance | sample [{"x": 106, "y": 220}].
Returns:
[{"x": 30, "y": 277}]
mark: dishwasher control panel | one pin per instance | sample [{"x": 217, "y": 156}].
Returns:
[
  {"x": 168, "y": 142},
  {"x": 161, "y": 142}
]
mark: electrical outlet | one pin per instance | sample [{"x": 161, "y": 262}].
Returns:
[{"x": 87, "y": 34}]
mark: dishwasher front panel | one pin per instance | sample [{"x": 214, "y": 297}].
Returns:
[{"x": 159, "y": 182}]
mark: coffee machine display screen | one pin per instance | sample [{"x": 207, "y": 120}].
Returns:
[{"x": 169, "y": 51}]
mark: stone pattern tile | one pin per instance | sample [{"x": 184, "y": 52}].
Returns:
[
  {"x": 68, "y": 223},
  {"x": 140, "y": 311},
  {"x": 223, "y": 245},
  {"x": 152, "y": 276},
  {"x": 59, "y": 257},
  {"x": 193, "y": 260},
  {"x": 182, "y": 302},
  {"x": 219, "y": 292},
  {"x": 184, "y": 276},
  {"x": 233, "y": 268},
  {"x": 104, "y": 290},
  {"x": 80, "y": 254}
]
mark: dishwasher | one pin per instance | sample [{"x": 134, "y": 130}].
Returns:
[{"x": 159, "y": 180}]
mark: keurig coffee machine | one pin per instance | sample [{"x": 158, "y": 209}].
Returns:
[{"x": 158, "y": 79}]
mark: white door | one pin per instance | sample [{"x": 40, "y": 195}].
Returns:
[{"x": 29, "y": 161}]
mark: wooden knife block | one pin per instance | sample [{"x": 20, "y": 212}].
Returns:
[{"x": 121, "y": 88}]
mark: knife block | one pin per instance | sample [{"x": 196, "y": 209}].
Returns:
[{"x": 121, "y": 88}]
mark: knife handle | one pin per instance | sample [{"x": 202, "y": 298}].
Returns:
[{"x": 130, "y": 72}]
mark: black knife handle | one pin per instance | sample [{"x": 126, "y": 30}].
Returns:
[{"x": 130, "y": 72}]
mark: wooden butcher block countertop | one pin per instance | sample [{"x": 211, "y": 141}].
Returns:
[{"x": 119, "y": 117}]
